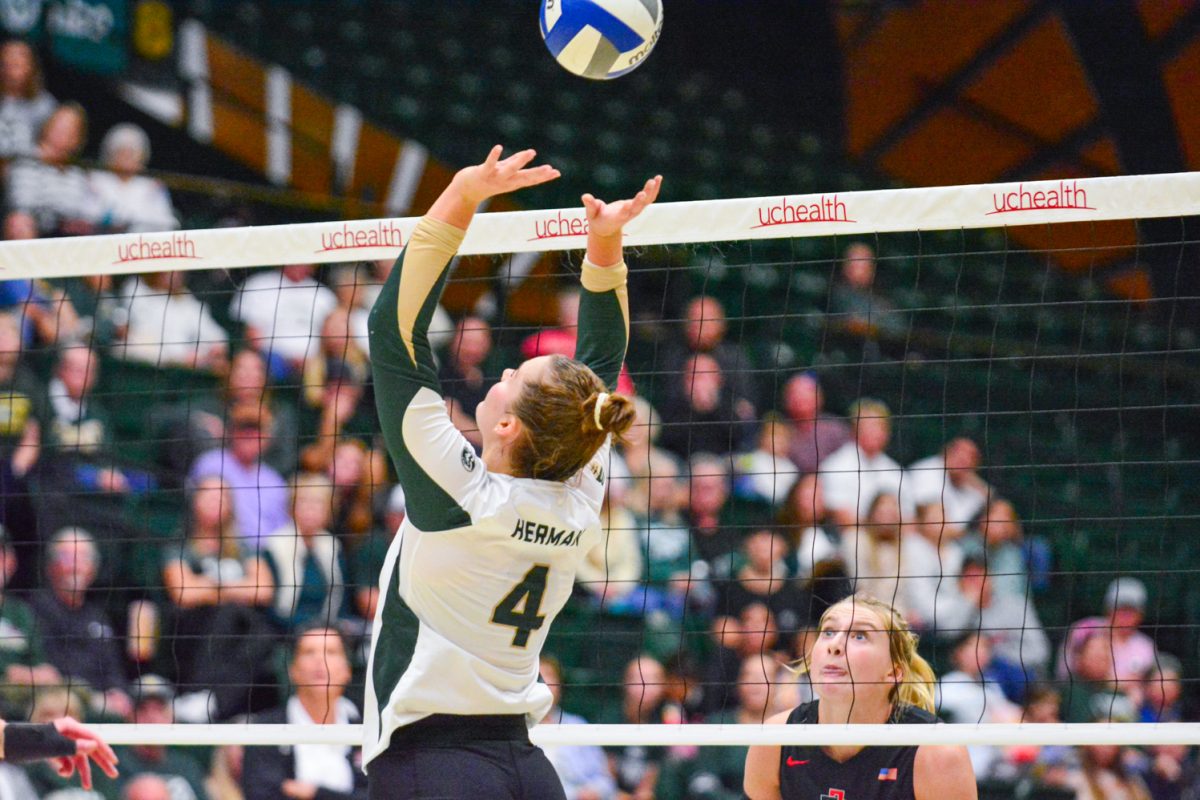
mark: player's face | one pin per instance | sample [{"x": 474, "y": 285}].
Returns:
[
  {"x": 852, "y": 655},
  {"x": 504, "y": 393}
]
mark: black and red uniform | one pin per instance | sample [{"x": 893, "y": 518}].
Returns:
[{"x": 874, "y": 773}]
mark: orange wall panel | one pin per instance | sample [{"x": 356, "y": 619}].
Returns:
[
  {"x": 1078, "y": 246},
  {"x": 312, "y": 132},
  {"x": 1038, "y": 85},
  {"x": 1182, "y": 79},
  {"x": 954, "y": 148},
  {"x": 236, "y": 77},
  {"x": 1159, "y": 16},
  {"x": 916, "y": 47},
  {"x": 377, "y": 150},
  {"x": 1103, "y": 154},
  {"x": 240, "y": 133}
]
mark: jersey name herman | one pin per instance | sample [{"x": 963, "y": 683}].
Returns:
[{"x": 537, "y": 533}]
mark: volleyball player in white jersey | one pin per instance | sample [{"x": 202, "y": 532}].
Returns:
[{"x": 487, "y": 555}]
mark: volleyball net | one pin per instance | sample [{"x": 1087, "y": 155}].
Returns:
[{"x": 966, "y": 401}]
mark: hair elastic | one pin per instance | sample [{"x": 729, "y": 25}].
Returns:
[{"x": 601, "y": 399}]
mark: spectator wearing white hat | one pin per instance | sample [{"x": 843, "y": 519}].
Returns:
[
  {"x": 1133, "y": 652},
  {"x": 129, "y": 200}
]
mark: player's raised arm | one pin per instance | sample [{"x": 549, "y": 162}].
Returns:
[
  {"x": 419, "y": 436},
  {"x": 604, "y": 303}
]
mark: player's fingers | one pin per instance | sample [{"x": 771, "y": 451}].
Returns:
[
  {"x": 65, "y": 766},
  {"x": 494, "y": 156},
  {"x": 532, "y": 177},
  {"x": 85, "y": 772},
  {"x": 517, "y": 161},
  {"x": 652, "y": 187}
]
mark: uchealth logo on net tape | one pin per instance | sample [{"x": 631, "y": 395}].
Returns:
[
  {"x": 354, "y": 237},
  {"x": 797, "y": 211},
  {"x": 560, "y": 226},
  {"x": 1041, "y": 197},
  {"x": 157, "y": 248}
]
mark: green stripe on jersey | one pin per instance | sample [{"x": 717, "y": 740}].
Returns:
[{"x": 396, "y": 643}]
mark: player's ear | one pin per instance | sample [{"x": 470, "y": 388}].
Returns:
[{"x": 507, "y": 428}]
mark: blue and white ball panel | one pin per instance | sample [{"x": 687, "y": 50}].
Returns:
[{"x": 600, "y": 38}]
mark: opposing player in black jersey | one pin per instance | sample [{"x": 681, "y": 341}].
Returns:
[{"x": 865, "y": 669}]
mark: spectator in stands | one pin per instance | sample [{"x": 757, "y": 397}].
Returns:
[
  {"x": 78, "y": 637},
  {"x": 664, "y": 538},
  {"x": 1050, "y": 765},
  {"x": 1103, "y": 774},
  {"x": 1133, "y": 652},
  {"x": 350, "y": 282},
  {"x": 858, "y": 307},
  {"x": 803, "y": 519},
  {"x": 965, "y": 696},
  {"x": 98, "y": 312},
  {"x": 244, "y": 384},
  {"x": 641, "y": 441},
  {"x": 22, "y": 654},
  {"x": 645, "y": 701},
  {"x": 815, "y": 433},
  {"x": 319, "y": 670},
  {"x": 753, "y": 632},
  {"x": 462, "y": 373},
  {"x": 561, "y": 340},
  {"x": 715, "y": 773},
  {"x": 1091, "y": 692},
  {"x": 1161, "y": 692},
  {"x": 611, "y": 572},
  {"x": 763, "y": 578},
  {"x": 766, "y": 474},
  {"x": 861, "y": 470},
  {"x": 335, "y": 381},
  {"x": 583, "y": 770},
  {"x": 23, "y": 414},
  {"x": 25, "y": 105},
  {"x": 147, "y": 786},
  {"x": 704, "y": 332},
  {"x": 219, "y": 595},
  {"x": 1017, "y": 562},
  {"x": 80, "y": 429},
  {"x": 932, "y": 561},
  {"x": 128, "y": 200},
  {"x": 949, "y": 479},
  {"x": 167, "y": 326},
  {"x": 1170, "y": 771},
  {"x": 872, "y": 552},
  {"x": 260, "y": 494},
  {"x": 224, "y": 780},
  {"x": 367, "y": 559},
  {"x": 356, "y": 472},
  {"x": 708, "y": 495},
  {"x": 283, "y": 311},
  {"x": 182, "y": 772},
  {"x": 1011, "y": 622},
  {"x": 203, "y": 421},
  {"x": 305, "y": 559},
  {"x": 702, "y": 419},
  {"x": 49, "y": 195}
]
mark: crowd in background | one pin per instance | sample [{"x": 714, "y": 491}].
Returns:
[{"x": 735, "y": 514}]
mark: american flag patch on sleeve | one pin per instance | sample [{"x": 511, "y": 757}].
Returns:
[{"x": 889, "y": 774}]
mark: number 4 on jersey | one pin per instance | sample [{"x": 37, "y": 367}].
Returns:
[{"x": 519, "y": 608}]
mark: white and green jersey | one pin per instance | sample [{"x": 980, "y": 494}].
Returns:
[{"x": 483, "y": 562}]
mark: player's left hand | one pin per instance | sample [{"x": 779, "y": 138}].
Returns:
[
  {"x": 88, "y": 744},
  {"x": 607, "y": 219}
]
